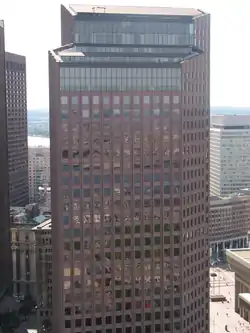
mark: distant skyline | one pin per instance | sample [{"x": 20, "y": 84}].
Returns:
[{"x": 32, "y": 28}]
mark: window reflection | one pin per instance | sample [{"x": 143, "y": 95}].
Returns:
[
  {"x": 120, "y": 79},
  {"x": 113, "y": 32}
]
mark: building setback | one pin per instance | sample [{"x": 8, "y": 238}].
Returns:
[
  {"x": 129, "y": 117},
  {"x": 5, "y": 247},
  {"x": 229, "y": 154},
  {"x": 16, "y": 101}
]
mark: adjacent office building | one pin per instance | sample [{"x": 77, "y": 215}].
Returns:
[
  {"x": 44, "y": 272},
  {"x": 239, "y": 262},
  {"x": 229, "y": 154},
  {"x": 24, "y": 249},
  {"x": 129, "y": 117},
  {"x": 24, "y": 259},
  {"x": 16, "y": 102},
  {"x": 229, "y": 223},
  {"x": 39, "y": 167},
  {"x": 5, "y": 248}
]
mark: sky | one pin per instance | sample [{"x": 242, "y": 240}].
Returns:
[{"x": 33, "y": 27}]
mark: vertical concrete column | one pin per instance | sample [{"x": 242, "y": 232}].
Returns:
[
  {"x": 14, "y": 271},
  {"x": 217, "y": 251},
  {"x": 22, "y": 271},
  {"x": 245, "y": 242},
  {"x": 236, "y": 293},
  {"x": 33, "y": 269}
]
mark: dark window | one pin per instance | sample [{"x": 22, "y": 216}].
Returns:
[
  {"x": 99, "y": 321},
  {"x": 176, "y": 251},
  {"x": 157, "y": 328},
  {"x": 76, "y": 180},
  {"x": 118, "y": 318},
  {"x": 67, "y": 311},
  {"x": 78, "y": 323},
  {"x": 97, "y": 179},
  {"x": 65, "y": 154},
  {"x": 86, "y": 193},
  {"x": 76, "y": 193},
  {"x": 106, "y": 179},
  {"x": 65, "y": 220},
  {"x": 86, "y": 180},
  {"x": 107, "y": 192},
  {"x": 77, "y": 245},
  {"x": 117, "y": 178},
  {"x": 88, "y": 322}
]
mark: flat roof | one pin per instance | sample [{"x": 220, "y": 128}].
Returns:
[
  {"x": 242, "y": 256},
  {"x": 245, "y": 297},
  {"x": 68, "y": 53},
  {"x": 46, "y": 225},
  {"x": 230, "y": 120},
  {"x": 136, "y": 10},
  {"x": 18, "y": 58}
]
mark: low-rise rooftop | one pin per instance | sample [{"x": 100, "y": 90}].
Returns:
[
  {"x": 245, "y": 297},
  {"x": 242, "y": 256},
  {"x": 43, "y": 226},
  {"x": 134, "y": 10}
]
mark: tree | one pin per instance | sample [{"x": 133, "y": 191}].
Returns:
[{"x": 27, "y": 306}]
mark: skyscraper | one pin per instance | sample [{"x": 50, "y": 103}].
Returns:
[
  {"x": 129, "y": 115},
  {"x": 16, "y": 101},
  {"x": 5, "y": 247},
  {"x": 230, "y": 154}
]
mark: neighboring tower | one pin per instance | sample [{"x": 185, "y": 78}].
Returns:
[
  {"x": 129, "y": 119},
  {"x": 16, "y": 101},
  {"x": 229, "y": 223},
  {"x": 229, "y": 154},
  {"x": 5, "y": 247},
  {"x": 39, "y": 166}
]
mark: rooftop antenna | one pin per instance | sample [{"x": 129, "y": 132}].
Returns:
[{"x": 102, "y": 7}]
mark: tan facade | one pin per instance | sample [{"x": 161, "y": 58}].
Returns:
[
  {"x": 229, "y": 223},
  {"x": 39, "y": 171},
  {"x": 23, "y": 246},
  {"x": 239, "y": 261}
]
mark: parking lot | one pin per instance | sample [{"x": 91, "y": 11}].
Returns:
[{"x": 222, "y": 313}]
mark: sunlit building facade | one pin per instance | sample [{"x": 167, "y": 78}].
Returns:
[
  {"x": 129, "y": 113},
  {"x": 39, "y": 167},
  {"x": 229, "y": 154}
]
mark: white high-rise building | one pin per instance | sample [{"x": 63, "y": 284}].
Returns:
[
  {"x": 229, "y": 154},
  {"x": 39, "y": 166}
]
